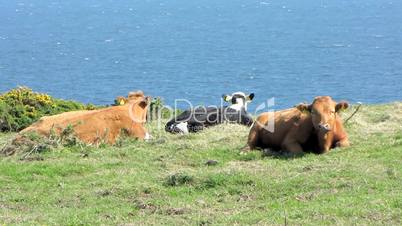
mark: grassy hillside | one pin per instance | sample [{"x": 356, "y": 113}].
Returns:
[{"x": 166, "y": 181}]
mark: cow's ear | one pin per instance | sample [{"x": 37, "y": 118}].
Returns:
[
  {"x": 341, "y": 106},
  {"x": 144, "y": 103},
  {"x": 226, "y": 98},
  {"x": 304, "y": 107},
  {"x": 250, "y": 97}
]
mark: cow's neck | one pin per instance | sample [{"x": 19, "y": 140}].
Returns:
[{"x": 339, "y": 131}]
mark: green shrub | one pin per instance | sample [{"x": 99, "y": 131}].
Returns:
[
  {"x": 21, "y": 107},
  {"x": 158, "y": 110}
]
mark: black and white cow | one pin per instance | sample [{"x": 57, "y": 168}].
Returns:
[{"x": 196, "y": 119}]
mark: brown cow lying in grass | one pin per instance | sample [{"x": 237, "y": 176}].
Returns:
[
  {"x": 316, "y": 127},
  {"x": 103, "y": 125}
]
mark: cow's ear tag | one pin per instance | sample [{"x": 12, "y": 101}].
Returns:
[{"x": 120, "y": 101}]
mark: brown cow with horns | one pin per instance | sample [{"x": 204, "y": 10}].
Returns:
[{"x": 316, "y": 127}]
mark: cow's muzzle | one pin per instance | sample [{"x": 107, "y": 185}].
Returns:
[{"x": 325, "y": 127}]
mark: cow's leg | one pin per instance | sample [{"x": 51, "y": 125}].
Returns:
[
  {"x": 181, "y": 127},
  {"x": 292, "y": 146},
  {"x": 343, "y": 143},
  {"x": 252, "y": 140}
]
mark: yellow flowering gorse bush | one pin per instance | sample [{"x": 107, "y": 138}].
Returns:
[{"x": 21, "y": 107}]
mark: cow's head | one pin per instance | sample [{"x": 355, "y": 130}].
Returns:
[
  {"x": 138, "y": 109},
  {"x": 238, "y": 100},
  {"x": 138, "y": 106},
  {"x": 134, "y": 96},
  {"x": 324, "y": 112}
]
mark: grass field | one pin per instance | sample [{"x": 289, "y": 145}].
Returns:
[{"x": 167, "y": 181}]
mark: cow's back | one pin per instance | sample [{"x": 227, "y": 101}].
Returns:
[
  {"x": 274, "y": 127},
  {"x": 89, "y": 126},
  {"x": 47, "y": 123},
  {"x": 103, "y": 125}
]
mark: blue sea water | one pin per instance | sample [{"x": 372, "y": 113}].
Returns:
[{"x": 93, "y": 51}]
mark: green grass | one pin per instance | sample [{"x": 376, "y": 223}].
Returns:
[{"x": 166, "y": 181}]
